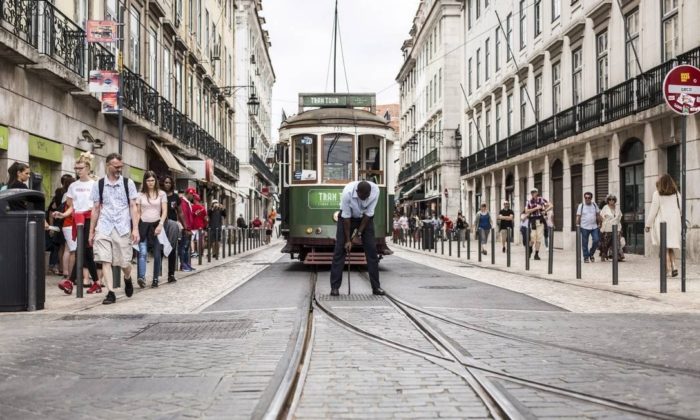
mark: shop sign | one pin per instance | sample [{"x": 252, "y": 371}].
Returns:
[
  {"x": 337, "y": 100},
  {"x": 101, "y": 31},
  {"x": 4, "y": 137},
  {"x": 103, "y": 81},
  {"x": 325, "y": 199},
  {"x": 136, "y": 174},
  {"x": 42, "y": 148},
  {"x": 109, "y": 103}
]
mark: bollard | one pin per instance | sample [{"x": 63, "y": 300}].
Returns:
[
  {"x": 449, "y": 242},
  {"x": 117, "y": 276},
  {"x": 615, "y": 251},
  {"x": 223, "y": 242},
  {"x": 200, "y": 248},
  {"x": 578, "y": 252},
  {"x": 478, "y": 237},
  {"x": 230, "y": 233},
  {"x": 435, "y": 238},
  {"x": 493, "y": 246},
  {"x": 662, "y": 259},
  {"x": 208, "y": 244},
  {"x": 79, "y": 258},
  {"x": 469, "y": 244},
  {"x": 33, "y": 233},
  {"x": 510, "y": 233},
  {"x": 442, "y": 245},
  {"x": 459, "y": 245},
  {"x": 247, "y": 239},
  {"x": 550, "y": 262},
  {"x": 527, "y": 247}
]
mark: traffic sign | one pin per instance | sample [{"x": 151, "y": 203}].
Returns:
[{"x": 682, "y": 89}]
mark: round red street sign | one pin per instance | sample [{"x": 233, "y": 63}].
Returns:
[{"x": 682, "y": 89}]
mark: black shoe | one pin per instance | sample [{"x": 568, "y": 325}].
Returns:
[
  {"x": 537, "y": 255},
  {"x": 592, "y": 258},
  {"x": 504, "y": 249},
  {"x": 335, "y": 292},
  {"x": 674, "y": 273},
  {"x": 141, "y": 282},
  {"x": 111, "y": 298},
  {"x": 378, "y": 291},
  {"x": 154, "y": 283},
  {"x": 171, "y": 279},
  {"x": 128, "y": 287}
]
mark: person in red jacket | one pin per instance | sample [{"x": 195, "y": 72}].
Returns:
[
  {"x": 188, "y": 218},
  {"x": 200, "y": 222}
]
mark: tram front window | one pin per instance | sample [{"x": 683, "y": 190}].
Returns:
[
  {"x": 370, "y": 160},
  {"x": 337, "y": 158},
  {"x": 304, "y": 158}
]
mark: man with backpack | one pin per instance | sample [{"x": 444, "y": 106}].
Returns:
[
  {"x": 114, "y": 217},
  {"x": 588, "y": 222}
]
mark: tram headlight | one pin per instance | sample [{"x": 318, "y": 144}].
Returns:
[
  {"x": 336, "y": 215},
  {"x": 309, "y": 230}
]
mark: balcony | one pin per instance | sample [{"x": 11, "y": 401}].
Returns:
[
  {"x": 427, "y": 161},
  {"x": 627, "y": 98},
  {"x": 262, "y": 168}
]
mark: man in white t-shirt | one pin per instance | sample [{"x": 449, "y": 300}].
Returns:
[{"x": 588, "y": 221}]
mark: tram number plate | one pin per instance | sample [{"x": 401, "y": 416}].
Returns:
[{"x": 324, "y": 199}]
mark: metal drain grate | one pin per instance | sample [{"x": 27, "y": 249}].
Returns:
[
  {"x": 443, "y": 287},
  {"x": 103, "y": 316},
  {"x": 352, "y": 298},
  {"x": 204, "y": 330}
]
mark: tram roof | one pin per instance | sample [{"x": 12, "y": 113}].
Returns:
[{"x": 335, "y": 117}]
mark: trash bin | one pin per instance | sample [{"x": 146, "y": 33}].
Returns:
[
  {"x": 428, "y": 235},
  {"x": 22, "y": 257}
]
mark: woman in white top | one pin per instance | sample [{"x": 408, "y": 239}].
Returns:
[
  {"x": 666, "y": 207},
  {"x": 152, "y": 206},
  {"x": 79, "y": 204},
  {"x": 611, "y": 216}
]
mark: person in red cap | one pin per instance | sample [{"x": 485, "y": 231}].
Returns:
[
  {"x": 183, "y": 247},
  {"x": 199, "y": 213}
]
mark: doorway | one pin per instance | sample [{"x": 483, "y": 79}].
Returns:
[{"x": 632, "y": 197}]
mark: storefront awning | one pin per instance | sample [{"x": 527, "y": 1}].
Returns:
[
  {"x": 225, "y": 186},
  {"x": 167, "y": 157},
  {"x": 184, "y": 164},
  {"x": 414, "y": 189}
]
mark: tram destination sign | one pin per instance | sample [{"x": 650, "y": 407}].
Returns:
[
  {"x": 325, "y": 199},
  {"x": 336, "y": 100},
  {"x": 682, "y": 89}
]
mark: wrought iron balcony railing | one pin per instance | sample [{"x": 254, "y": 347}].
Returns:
[
  {"x": 425, "y": 162},
  {"x": 627, "y": 98},
  {"x": 262, "y": 167}
]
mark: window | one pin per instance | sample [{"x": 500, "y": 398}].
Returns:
[
  {"x": 198, "y": 32},
  {"x": 478, "y": 67},
  {"x": 669, "y": 31},
  {"x": 523, "y": 24},
  {"x": 556, "y": 87},
  {"x": 486, "y": 59},
  {"x": 509, "y": 114},
  {"x": 538, "y": 17},
  {"x": 478, "y": 127},
  {"x": 487, "y": 131},
  {"x": 538, "y": 97},
  {"x": 304, "y": 158},
  {"x": 576, "y": 74},
  {"x": 478, "y": 9},
  {"x": 166, "y": 74},
  {"x": 497, "y": 48},
  {"x": 509, "y": 35},
  {"x": 337, "y": 158},
  {"x": 602, "y": 61},
  {"x": 556, "y": 9},
  {"x": 471, "y": 138},
  {"x": 469, "y": 13},
  {"x": 523, "y": 105},
  {"x": 371, "y": 159},
  {"x": 153, "y": 58},
  {"x": 206, "y": 31},
  {"x": 135, "y": 40},
  {"x": 179, "y": 92},
  {"x": 631, "y": 43},
  {"x": 498, "y": 122},
  {"x": 469, "y": 76},
  {"x": 440, "y": 83}
]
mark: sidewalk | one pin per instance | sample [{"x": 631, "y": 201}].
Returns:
[
  {"x": 638, "y": 278},
  {"x": 191, "y": 293}
]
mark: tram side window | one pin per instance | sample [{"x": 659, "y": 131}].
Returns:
[
  {"x": 337, "y": 158},
  {"x": 304, "y": 158},
  {"x": 371, "y": 167}
]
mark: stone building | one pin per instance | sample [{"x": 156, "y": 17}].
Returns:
[
  {"x": 429, "y": 78},
  {"x": 566, "y": 96},
  {"x": 255, "y": 77}
]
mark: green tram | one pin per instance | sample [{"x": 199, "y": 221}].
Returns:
[{"x": 333, "y": 140}]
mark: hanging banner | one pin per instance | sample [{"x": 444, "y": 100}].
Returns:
[
  {"x": 109, "y": 103},
  {"x": 101, "y": 81},
  {"x": 101, "y": 31}
]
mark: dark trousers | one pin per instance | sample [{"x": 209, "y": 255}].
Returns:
[{"x": 368, "y": 243}]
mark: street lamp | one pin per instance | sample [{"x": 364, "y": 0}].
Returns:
[
  {"x": 253, "y": 101},
  {"x": 253, "y": 105}
]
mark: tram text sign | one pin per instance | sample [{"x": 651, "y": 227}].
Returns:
[
  {"x": 682, "y": 89},
  {"x": 337, "y": 100},
  {"x": 325, "y": 199}
]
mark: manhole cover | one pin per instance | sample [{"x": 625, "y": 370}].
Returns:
[
  {"x": 91, "y": 317},
  {"x": 205, "y": 330},
  {"x": 443, "y": 287},
  {"x": 352, "y": 298}
]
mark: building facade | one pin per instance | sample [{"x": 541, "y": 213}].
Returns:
[
  {"x": 177, "y": 121},
  {"x": 255, "y": 76},
  {"x": 429, "y": 135},
  {"x": 565, "y": 96}
]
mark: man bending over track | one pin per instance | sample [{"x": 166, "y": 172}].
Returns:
[{"x": 356, "y": 214}]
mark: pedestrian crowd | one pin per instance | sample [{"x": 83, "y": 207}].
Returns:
[{"x": 123, "y": 224}]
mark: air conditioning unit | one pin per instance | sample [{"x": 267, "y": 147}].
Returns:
[{"x": 216, "y": 52}]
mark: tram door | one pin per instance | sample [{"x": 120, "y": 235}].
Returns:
[{"x": 370, "y": 159}]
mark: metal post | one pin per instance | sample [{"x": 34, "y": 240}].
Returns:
[
  {"x": 31, "y": 266},
  {"x": 468, "y": 236},
  {"x": 662, "y": 259},
  {"x": 578, "y": 252},
  {"x": 200, "y": 248},
  {"x": 493, "y": 246},
  {"x": 550, "y": 249},
  {"x": 208, "y": 230},
  {"x": 449, "y": 240},
  {"x": 442, "y": 245},
  {"x": 434, "y": 238},
  {"x": 527, "y": 247},
  {"x": 223, "y": 242},
  {"x": 79, "y": 260},
  {"x": 459, "y": 244},
  {"x": 684, "y": 215},
  {"x": 478, "y": 237},
  {"x": 615, "y": 251},
  {"x": 510, "y": 233},
  {"x": 230, "y": 232}
]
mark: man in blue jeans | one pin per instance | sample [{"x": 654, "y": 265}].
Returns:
[
  {"x": 588, "y": 221},
  {"x": 183, "y": 248}
]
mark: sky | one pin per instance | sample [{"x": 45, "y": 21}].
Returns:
[{"x": 371, "y": 31}]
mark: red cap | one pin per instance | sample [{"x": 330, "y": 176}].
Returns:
[{"x": 191, "y": 190}]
